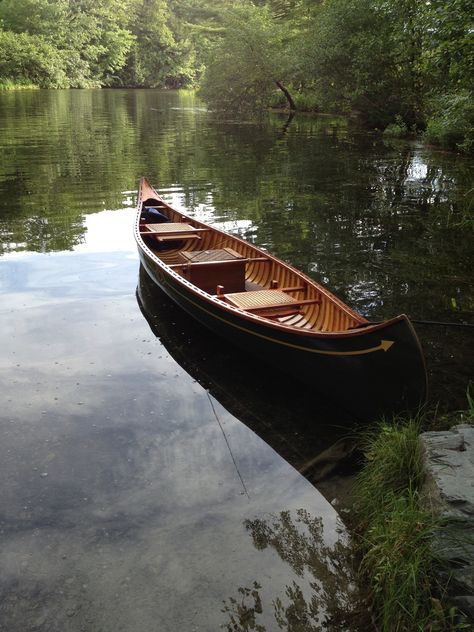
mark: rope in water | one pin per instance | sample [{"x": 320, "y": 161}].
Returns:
[{"x": 441, "y": 324}]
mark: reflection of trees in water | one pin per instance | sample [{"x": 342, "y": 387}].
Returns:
[
  {"x": 242, "y": 612},
  {"x": 42, "y": 234},
  {"x": 369, "y": 218},
  {"x": 324, "y": 569}
]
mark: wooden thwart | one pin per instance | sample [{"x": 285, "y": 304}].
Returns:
[
  {"x": 211, "y": 256},
  {"x": 214, "y": 257}
]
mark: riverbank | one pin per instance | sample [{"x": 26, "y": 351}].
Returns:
[
  {"x": 9, "y": 85},
  {"x": 399, "y": 529}
]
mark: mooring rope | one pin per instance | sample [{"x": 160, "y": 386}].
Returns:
[
  {"x": 228, "y": 445},
  {"x": 440, "y": 324}
]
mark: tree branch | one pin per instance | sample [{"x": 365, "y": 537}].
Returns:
[{"x": 288, "y": 96}]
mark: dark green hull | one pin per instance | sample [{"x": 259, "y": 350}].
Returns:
[{"x": 376, "y": 370}]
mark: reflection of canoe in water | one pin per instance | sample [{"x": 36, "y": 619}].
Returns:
[
  {"x": 279, "y": 314},
  {"x": 240, "y": 387},
  {"x": 242, "y": 390}
]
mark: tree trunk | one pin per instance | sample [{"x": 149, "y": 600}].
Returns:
[{"x": 291, "y": 103}]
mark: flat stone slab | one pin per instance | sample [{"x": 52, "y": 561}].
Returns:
[
  {"x": 450, "y": 461},
  {"x": 449, "y": 489}
]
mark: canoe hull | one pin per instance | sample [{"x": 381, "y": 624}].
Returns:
[{"x": 373, "y": 372}]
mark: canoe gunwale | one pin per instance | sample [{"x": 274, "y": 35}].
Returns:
[{"x": 146, "y": 191}]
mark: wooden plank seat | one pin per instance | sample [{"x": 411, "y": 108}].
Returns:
[
  {"x": 171, "y": 231},
  {"x": 210, "y": 256},
  {"x": 268, "y": 303},
  {"x": 214, "y": 257},
  {"x": 215, "y": 267}
]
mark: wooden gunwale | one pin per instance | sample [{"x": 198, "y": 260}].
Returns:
[
  {"x": 217, "y": 306},
  {"x": 295, "y": 335}
]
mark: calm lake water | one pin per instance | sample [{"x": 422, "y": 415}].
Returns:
[{"x": 149, "y": 473}]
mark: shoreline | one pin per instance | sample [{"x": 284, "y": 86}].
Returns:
[{"x": 409, "y": 512}]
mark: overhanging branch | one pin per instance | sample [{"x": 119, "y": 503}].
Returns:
[{"x": 288, "y": 96}]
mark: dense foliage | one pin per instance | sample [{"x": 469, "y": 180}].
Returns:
[
  {"x": 402, "y": 64},
  {"x": 399, "y": 63}
]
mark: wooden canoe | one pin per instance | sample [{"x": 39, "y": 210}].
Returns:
[{"x": 279, "y": 314}]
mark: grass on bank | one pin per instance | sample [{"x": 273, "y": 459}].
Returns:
[
  {"x": 394, "y": 533},
  {"x": 10, "y": 84}
]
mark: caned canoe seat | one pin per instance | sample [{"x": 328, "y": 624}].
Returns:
[
  {"x": 206, "y": 257},
  {"x": 268, "y": 303},
  {"x": 172, "y": 231}
]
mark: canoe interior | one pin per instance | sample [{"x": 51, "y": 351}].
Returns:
[{"x": 240, "y": 274}]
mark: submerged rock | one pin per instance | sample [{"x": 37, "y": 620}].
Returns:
[{"x": 329, "y": 461}]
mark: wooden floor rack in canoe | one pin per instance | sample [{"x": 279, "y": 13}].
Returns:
[{"x": 265, "y": 305}]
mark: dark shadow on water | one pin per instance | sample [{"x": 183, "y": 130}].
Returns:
[
  {"x": 449, "y": 359},
  {"x": 296, "y": 422}
]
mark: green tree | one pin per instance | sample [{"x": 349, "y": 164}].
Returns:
[
  {"x": 155, "y": 55},
  {"x": 197, "y": 25},
  {"x": 403, "y": 63},
  {"x": 47, "y": 18},
  {"x": 363, "y": 55},
  {"x": 28, "y": 51},
  {"x": 448, "y": 58},
  {"x": 30, "y": 59},
  {"x": 250, "y": 61},
  {"x": 449, "y": 43},
  {"x": 99, "y": 37},
  {"x": 90, "y": 36}
]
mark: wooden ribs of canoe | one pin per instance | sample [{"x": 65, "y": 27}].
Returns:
[{"x": 278, "y": 313}]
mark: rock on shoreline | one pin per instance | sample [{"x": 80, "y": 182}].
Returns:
[{"x": 449, "y": 490}]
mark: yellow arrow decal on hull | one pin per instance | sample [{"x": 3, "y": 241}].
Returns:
[{"x": 383, "y": 346}]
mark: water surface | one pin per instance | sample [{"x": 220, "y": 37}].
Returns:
[{"x": 150, "y": 472}]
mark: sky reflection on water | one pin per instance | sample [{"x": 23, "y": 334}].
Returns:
[{"x": 126, "y": 485}]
